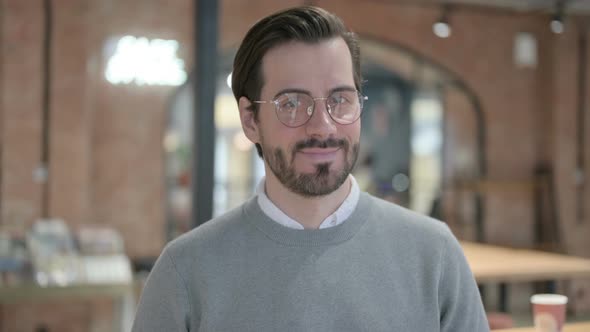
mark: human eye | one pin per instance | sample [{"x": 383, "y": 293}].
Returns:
[
  {"x": 291, "y": 108},
  {"x": 288, "y": 102},
  {"x": 342, "y": 98}
]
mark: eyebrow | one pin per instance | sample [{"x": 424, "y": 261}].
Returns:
[{"x": 295, "y": 90}]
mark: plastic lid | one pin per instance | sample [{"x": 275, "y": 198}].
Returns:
[{"x": 549, "y": 299}]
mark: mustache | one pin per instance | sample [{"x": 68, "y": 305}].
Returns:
[{"x": 316, "y": 143}]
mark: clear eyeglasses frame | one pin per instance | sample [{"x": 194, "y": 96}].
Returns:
[{"x": 294, "y": 109}]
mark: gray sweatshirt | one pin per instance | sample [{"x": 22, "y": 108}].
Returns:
[{"x": 384, "y": 269}]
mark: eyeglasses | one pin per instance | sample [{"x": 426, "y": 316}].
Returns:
[{"x": 294, "y": 109}]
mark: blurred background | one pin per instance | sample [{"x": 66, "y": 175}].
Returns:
[{"x": 113, "y": 141}]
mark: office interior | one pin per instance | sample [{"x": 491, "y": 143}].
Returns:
[{"x": 119, "y": 132}]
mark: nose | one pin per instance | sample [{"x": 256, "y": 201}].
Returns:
[{"x": 321, "y": 124}]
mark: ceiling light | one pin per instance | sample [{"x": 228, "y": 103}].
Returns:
[
  {"x": 228, "y": 80},
  {"x": 556, "y": 24},
  {"x": 442, "y": 27}
]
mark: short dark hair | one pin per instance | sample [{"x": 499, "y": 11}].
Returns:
[{"x": 305, "y": 24}]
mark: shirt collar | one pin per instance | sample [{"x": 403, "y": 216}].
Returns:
[{"x": 336, "y": 218}]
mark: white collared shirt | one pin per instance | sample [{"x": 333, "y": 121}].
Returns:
[{"x": 336, "y": 218}]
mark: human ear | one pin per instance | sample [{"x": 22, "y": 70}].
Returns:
[{"x": 248, "y": 120}]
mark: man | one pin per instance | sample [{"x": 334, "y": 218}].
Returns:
[{"x": 309, "y": 252}]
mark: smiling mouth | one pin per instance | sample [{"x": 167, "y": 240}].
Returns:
[
  {"x": 319, "y": 151},
  {"x": 319, "y": 154}
]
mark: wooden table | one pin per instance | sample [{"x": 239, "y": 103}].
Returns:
[
  {"x": 121, "y": 293},
  {"x": 500, "y": 264},
  {"x": 572, "y": 327},
  {"x": 503, "y": 265}
]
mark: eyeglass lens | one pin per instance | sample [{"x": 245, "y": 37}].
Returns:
[{"x": 295, "y": 109}]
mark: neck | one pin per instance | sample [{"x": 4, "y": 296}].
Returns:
[{"x": 308, "y": 211}]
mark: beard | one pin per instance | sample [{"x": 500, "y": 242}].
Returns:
[{"x": 323, "y": 180}]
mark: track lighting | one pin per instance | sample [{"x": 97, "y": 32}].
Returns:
[
  {"x": 556, "y": 24},
  {"x": 442, "y": 27}
]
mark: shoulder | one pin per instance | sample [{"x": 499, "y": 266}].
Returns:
[
  {"x": 211, "y": 236},
  {"x": 405, "y": 221},
  {"x": 408, "y": 231}
]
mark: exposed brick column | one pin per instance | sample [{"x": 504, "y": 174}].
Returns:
[{"x": 21, "y": 107}]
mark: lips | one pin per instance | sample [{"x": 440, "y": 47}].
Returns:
[
  {"x": 319, "y": 155},
  {"x": 319, "y": 151},
  {"x": 315, "y": 143}
]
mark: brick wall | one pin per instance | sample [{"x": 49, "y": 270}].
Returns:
[
  {"x": 21, "y": 111},
  {"x": 106, "y": 162}
]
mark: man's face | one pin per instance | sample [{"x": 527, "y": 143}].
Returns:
[{"x": 316, "y": 158}]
